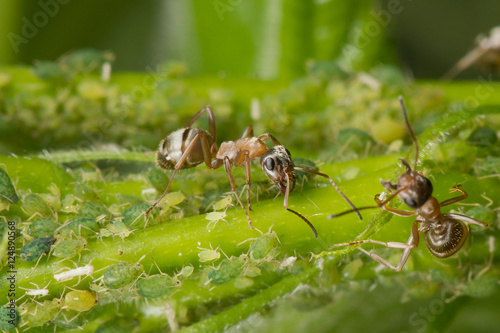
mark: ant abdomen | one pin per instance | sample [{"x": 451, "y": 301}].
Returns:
[{"x": 446, "y": 237}]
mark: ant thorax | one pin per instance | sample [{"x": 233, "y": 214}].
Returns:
[
  {"x": 235, "y": 150},
  {"x": 416, "y": 189},
  {"x": 430, "y": 210}
]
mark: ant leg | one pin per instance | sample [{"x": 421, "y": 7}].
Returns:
[
  {"x": 466, "y": 219},
  {"x": 211, "y": 120},
  {"x": 285, "y": 205},
  {"x": 395, "y": 211},
  {"x": 248, "y": 132},
  {"x": 206, "y": 155},
  {"x": 229, "y": 170},
  {"x": 247, "y": 174},
  {"x": 408, "y": 246},
  {"x": 266, "y": 136},
  {"x": 465, "y": 62},
  {"x": 457, "y": 188},
  {"x": 334, "y": 186}
]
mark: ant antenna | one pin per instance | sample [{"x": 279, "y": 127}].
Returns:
[
  {"x": 382, "y": 203},
  {"x": 285, "y": 204},
  {"x": 409, "y": 129}
]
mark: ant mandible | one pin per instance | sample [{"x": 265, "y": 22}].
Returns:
[
  {"x": 444, "y": 234},
  {"x": 189, "y": 147}
]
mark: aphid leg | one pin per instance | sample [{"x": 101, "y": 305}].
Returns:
[
  {"x": 206, "y": 155},
  {"x": 285, "y": 205},
  {"x": 334, "y": 186},
  {"x": 229, "y": 170},
  {"x": 457, "y": 188}
]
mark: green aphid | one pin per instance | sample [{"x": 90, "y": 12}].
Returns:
[
  {"x": 135, "y": 215},
  {"x": 483, "y": 286},
  {"x": 82, "y": 225},
  {"x": 85, "y": 192},
  {"x": 488, "y": 166},
  {"x": 354, "y": 140},
  {"x": 119, "y": 229},
  {"x": 304, "y": 163},
  {"x": 186, "y": 272},
  {"x": 68, "y": 248},
  {"x": 483, "y": 213},
  {"x": 43, "y": 227},
  {"x": 9, "y": 318},
  {"x": 121, "y": 275},
  {"x": 33, "y": 250},
  {"x": 228, "y": 270},
  {"x": 93, "y": 209},
  {"x": 222, "y": 203},
  {"x": 4, "y": 239},
  {"x": 49, "y": 71},
  {"x": 34, "y": 204},
  {"x": 130, "y": 199},
  {"x": 7, "y": 190},
  {"x": 482, "y": 136},
  {"x": 36, "y": 315},
  {"x": 69, "y": 320},
  {"x": 266, "y": 246},
  {"x": 157, "y": 286},
  {"x": 158, "y": 179}
]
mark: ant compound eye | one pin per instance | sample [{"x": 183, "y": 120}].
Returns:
[
  {"x": 270, "y": 164},
  {"x": 410, "y": 203}
]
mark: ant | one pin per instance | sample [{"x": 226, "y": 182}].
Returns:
[
  {"x": 444, "y": 234},
  {"x": 189, "y": 147},
  {"x": 485, "y": 55}
]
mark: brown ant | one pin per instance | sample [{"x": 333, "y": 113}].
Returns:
[
  {"x": 189, "y": 147},
  {"x": 444, "y": 234},
  {"x": 485, "y": 55}
]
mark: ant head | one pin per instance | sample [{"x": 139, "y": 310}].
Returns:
[
  {"x": 417, "y": 189},
  {"x": 277, "y": 164}
]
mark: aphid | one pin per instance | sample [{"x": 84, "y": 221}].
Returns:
[
  {"x": 444, "y": 234},
  {"x": 69, "y": 320},
  {"x": 185, "y": 272},
  {"x": 82, "y": 225},
  {"x": 34, "y": 205},
  {"x": 43, "y": 227},
  {"x": 215, "y": 217},
  {"x": 486, "y": 55},
  {"x": 264, "y": 247},
  {"x": 228, "y": 270},
  {"x": 189, "y": 147},
  {"x": 37, "y": 314},
  {"x": 79, "y": 271},
  {"x": 34, "y": 250},
  {"x": 7, "y": 190},
  {"x": 84, "y": 192},
  {"x": 158, "y": 285},
  {"x": 38, "y": 291},
  {"x": 79, "y": 300},
  {"x": 222, "y": 203},
  {"x": 93, "y": 209},
  {"x": 135, "y": 216},
  {"x": 68, "y": 248},
  {"x": 9, "y": 318},
  {"x": 206, "y": 255},
  {"x": 121, "y": 275},
  {"x": 119, "y": 229}
]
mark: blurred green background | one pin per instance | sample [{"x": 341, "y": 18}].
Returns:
[{"x": 248, "y": 38}]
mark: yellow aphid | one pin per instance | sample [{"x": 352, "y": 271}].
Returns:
[
  {"x": 174, "y": 198},
  {"x": 79, "y": 300}
]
